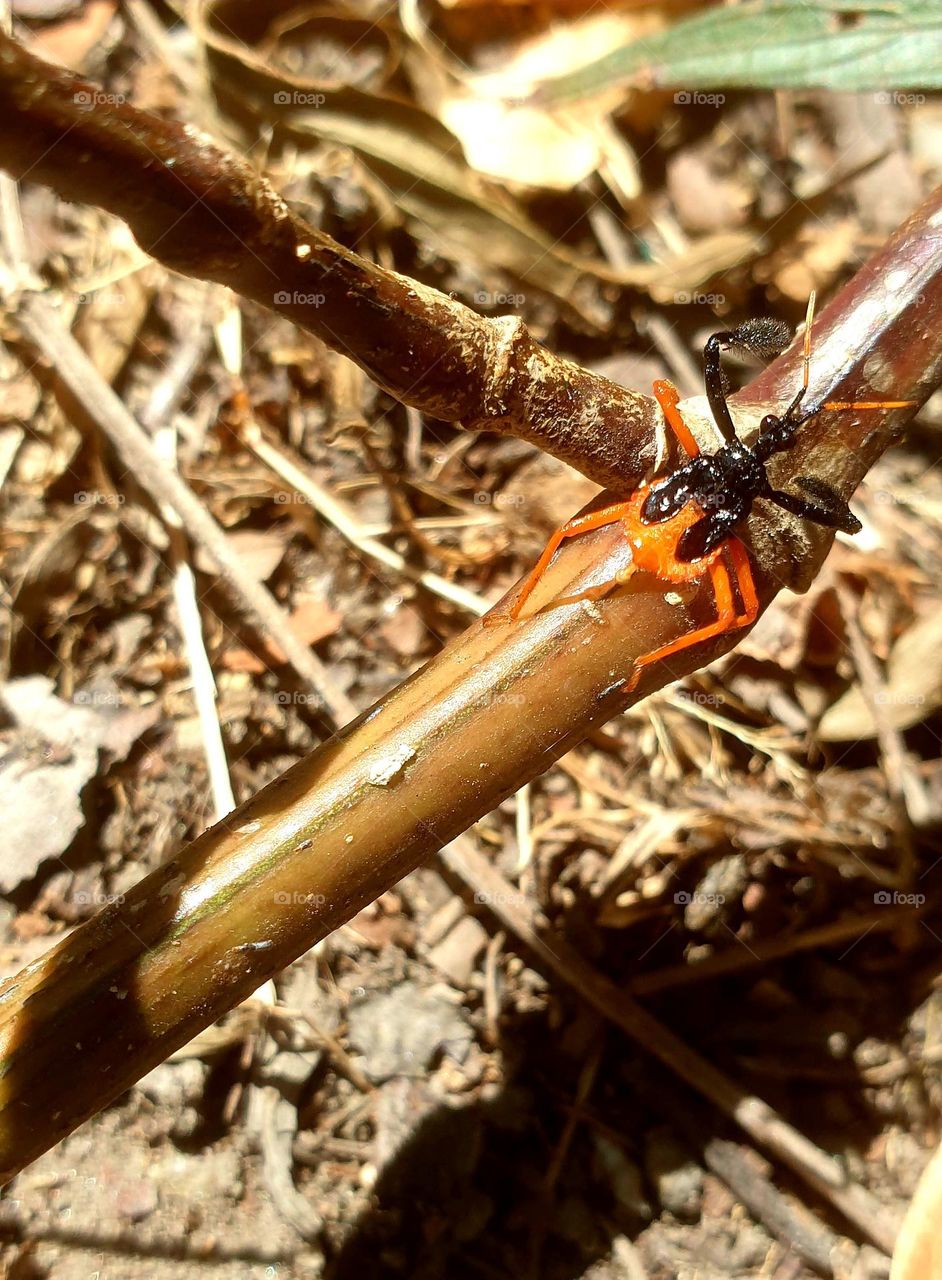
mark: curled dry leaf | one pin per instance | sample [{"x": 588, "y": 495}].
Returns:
[{"x": 505, "y": 137}]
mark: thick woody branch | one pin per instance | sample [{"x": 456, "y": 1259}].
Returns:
[{"x": 206, "y": 213}]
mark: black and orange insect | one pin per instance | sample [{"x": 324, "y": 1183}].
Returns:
[{"x": 681, "y": 527}]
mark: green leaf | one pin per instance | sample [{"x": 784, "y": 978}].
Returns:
[{"x": 847, "y": 45}]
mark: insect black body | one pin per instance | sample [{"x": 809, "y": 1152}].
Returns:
[{"x": 725, "y": 484}]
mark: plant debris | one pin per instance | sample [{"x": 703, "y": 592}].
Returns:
[{"x": 711, "y": 930}]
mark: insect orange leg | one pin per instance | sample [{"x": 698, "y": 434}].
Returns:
[
  {"x": 742, "y": 568},
  {"x": 582, "y": 524},
  {"x": 727, "y": 617},
  {"x": 667, "y": 396}
]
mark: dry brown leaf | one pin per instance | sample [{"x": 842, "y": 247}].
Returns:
[
  {"x": 912, "y": 687},
  {"x": 112, "y": 309},
  {"x": 69, "y": 42},
  {"x": 544, "y": 493},
  {"x": 261, "y": 552},
  {"x": 813, "y": 259},
  {"x": 502, "y": 136},
  {"x": 704, "y": 200},
  {"x": 446, "y": 202},
  {"x": 312, "y": 619},
  {"x": 404, "y": 631}
]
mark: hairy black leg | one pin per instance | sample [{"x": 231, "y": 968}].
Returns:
[{"x": 830, "y": 510}]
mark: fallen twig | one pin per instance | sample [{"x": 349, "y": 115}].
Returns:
[
  {"x": 206, "y": 213},
  {"x": 755, "y": 1116},
  {"x": 338, "y": 513},
  {"x": 44, "y": 330}
]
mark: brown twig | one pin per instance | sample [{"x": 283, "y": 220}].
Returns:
[
  {"x": 755, "y": 1116},
  {"x": 206, "y": 213},
  {"x": 343, "y": 518},
  {"x": 790, "y": 1223},
  {"x": 902, "y": 782},
  {"x": 738, "y": 959},
  {"x": 251, "y": 598}
]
